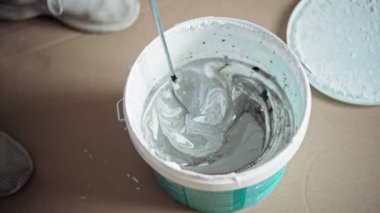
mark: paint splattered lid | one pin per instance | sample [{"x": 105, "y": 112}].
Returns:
[{"x": 338, "y": 42}]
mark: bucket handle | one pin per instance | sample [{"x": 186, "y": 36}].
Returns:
[{"x": 120, "y": 114}]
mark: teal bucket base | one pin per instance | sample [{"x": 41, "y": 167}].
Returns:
[{"x": 223, "y": 201}]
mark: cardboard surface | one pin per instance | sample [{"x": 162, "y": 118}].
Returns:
[{"x": 58, "y": 90}]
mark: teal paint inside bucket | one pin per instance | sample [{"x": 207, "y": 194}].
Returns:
[{"x": 221, "y": 201}]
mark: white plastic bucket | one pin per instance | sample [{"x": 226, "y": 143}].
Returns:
[{"x": 214, "y": 37}]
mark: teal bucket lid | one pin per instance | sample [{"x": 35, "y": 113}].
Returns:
[{"x": 338, "y": 43}]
